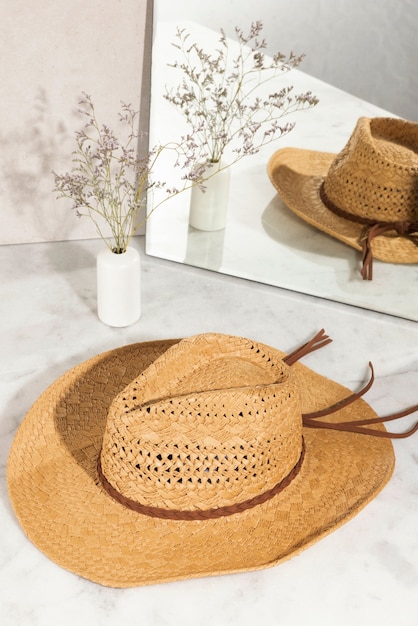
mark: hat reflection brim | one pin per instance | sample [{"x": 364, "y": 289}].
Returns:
[{"x": 297, "y": 175}]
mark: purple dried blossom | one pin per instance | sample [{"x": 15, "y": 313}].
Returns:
[
  {"x": 217, "y": 94},
  {"x": 108, "y": 179}
]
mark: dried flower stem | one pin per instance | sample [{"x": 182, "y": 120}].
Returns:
[
  {"x": 218, "y": 95},
  {"x": 109, "y": 182}
]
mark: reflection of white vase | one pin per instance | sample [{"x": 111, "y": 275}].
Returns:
[
  {"x": 119, "y": 287},
  {"x": 208, "y": 208},
  {"x": 205, "y": 249}
]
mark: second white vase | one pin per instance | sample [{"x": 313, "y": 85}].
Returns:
[
  {"x": 119, "y": 287},
  {"x": 208, "y": 209}
]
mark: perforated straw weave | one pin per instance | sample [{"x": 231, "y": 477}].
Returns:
[
  {"x": 372, "y": 182},
  {"x": 173, "y": 459}
]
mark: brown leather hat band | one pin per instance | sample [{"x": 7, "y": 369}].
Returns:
[
  {"x": 402, "y": 228},
  {"x": 206, "y": 514},
  {"x": 376, "y": 229}
]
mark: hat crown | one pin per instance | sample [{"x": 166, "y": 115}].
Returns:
[
  {"x": 213, "y": 422},
  {"x": 375, "y": 176}
]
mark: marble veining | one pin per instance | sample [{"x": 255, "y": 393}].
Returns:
[{"x": 365, "y": 572}]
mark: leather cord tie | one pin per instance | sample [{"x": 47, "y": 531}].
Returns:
[
  {"x": 402, "y": 228},
  {"x": 310, "y": 420},
  {"x": 205, "y": 514},
  {"x": 375, "y": 229},
  {"x": 319, "y": 341}
]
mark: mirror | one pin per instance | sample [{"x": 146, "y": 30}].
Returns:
[{"x": 263, "y": 241}]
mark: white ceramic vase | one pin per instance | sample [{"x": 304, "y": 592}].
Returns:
[
  {"x": 119, "y": 287},
  {"x": 208, "y": 209}
]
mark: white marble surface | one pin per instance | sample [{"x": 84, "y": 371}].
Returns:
[
  {"x": 263, "y": 240},
  {"x": 364, "y": 573}
]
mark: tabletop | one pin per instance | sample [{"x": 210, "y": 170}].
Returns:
[{"x": 365, "y": 572}]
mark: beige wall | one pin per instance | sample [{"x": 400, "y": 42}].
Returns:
[{"x": 50, "y": 51}]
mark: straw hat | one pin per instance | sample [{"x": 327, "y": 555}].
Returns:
[
  {"x": 366, "y": 196},
  {"x": 175, "y": 459}
]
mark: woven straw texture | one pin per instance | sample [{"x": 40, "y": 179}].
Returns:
[
  {"x": 224, "y": 423},
  {"x": 374, "y": 178}
]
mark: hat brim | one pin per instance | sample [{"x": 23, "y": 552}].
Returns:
[
  {"x": 297, "y": 175},
  {"x": 65, "y": 512}
]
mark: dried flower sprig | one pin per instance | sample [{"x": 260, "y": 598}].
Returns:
[
  {"x": 109, "y": 182},
  {"x": 219, "y": 95}
]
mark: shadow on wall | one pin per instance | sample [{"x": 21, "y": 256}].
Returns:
[
  {"x": 29, "y": 156},
  {"x": 48, "y": 58}
]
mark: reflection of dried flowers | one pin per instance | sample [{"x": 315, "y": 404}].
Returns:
[
  {"x": 109, "y": 181},
  {"x": 221, "y": 99}
]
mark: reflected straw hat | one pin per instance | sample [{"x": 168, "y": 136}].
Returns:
[
  {"x": 365, "y": 196},
  {"x": 175, "y": 459}
]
